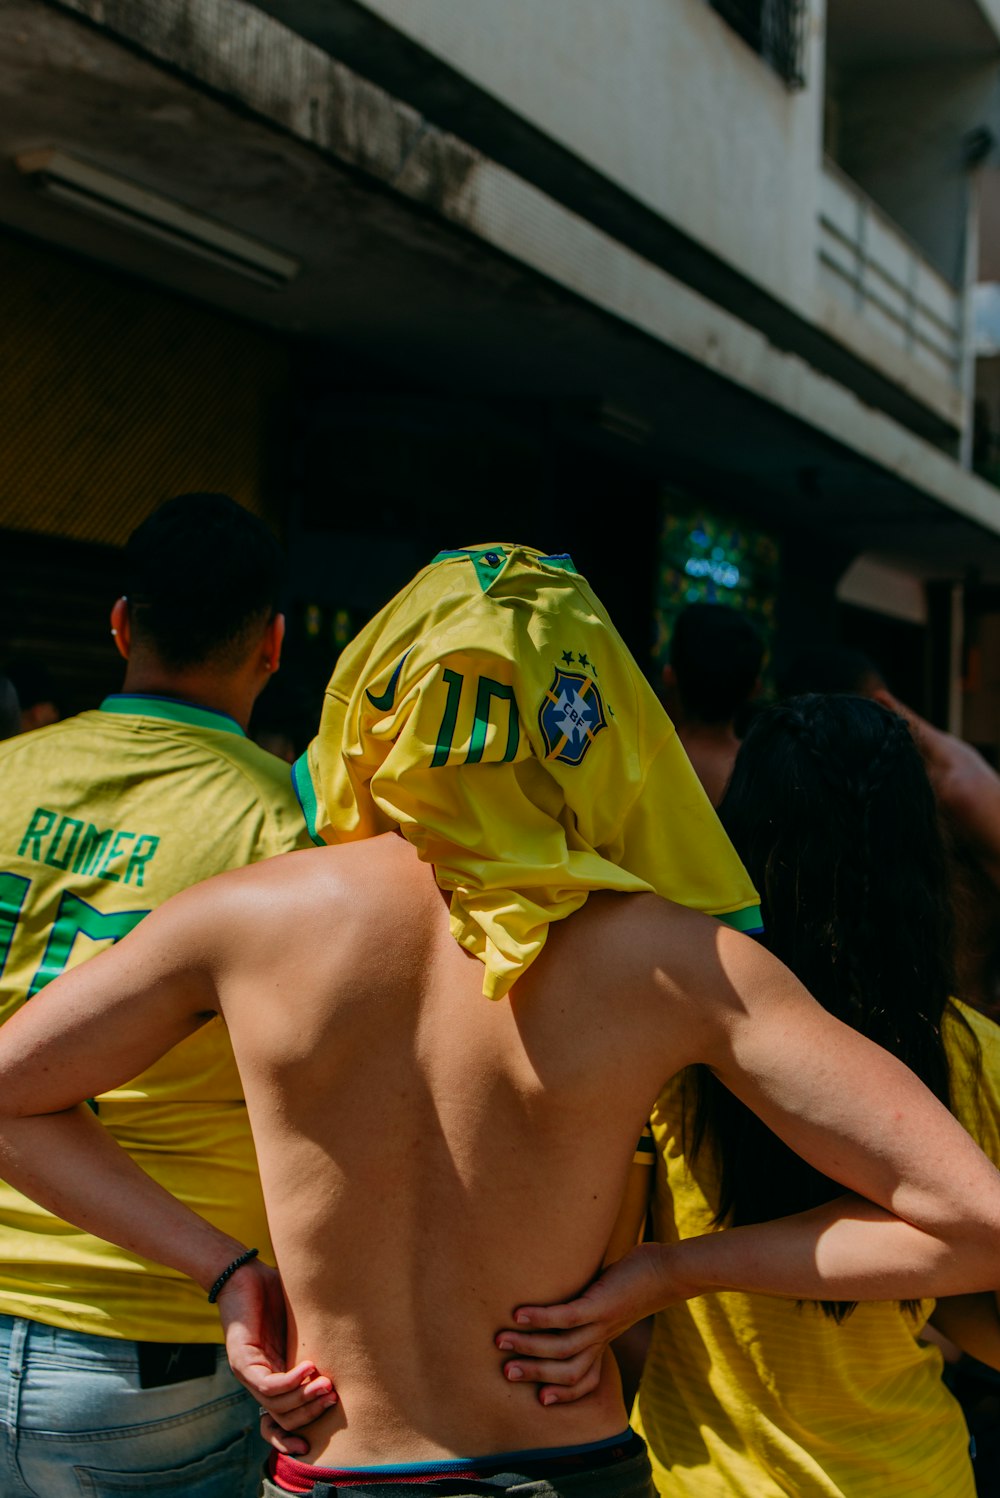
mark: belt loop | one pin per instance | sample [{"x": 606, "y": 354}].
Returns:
[{"x": 16, "y": 1358}]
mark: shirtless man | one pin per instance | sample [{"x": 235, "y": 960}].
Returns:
[{"x": 431, "y": 1160}]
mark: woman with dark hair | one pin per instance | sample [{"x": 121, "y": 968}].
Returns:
[
  {"x": 831, "y": 811},
  {"x": 751, "y": 1396}
]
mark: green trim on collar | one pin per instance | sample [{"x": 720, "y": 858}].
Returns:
[
  {"x": 489, "y": 562},
  {"x": 305, "y": 792},
  {"x": 563, "y": 561},
  {"x": 147, "y": 705}
]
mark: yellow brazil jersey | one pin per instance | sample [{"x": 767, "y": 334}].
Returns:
[
  {"x": 102, "y": 817},
  {"x": 494, "y": 714},
  {"x": 754, "y": 1396}
]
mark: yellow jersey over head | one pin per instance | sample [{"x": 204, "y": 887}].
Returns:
[{"x": 493, "y": 714}]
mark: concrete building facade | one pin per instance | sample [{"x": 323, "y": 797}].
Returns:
[{"x": 607, "y": 276}]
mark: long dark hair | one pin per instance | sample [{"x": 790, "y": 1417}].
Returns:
[{"x": 832, "y": 813}]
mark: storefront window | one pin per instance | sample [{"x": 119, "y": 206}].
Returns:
[{"x": 707, "y": 557}]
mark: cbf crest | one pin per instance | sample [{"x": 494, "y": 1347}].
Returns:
[{"x": 571, "y": 716}]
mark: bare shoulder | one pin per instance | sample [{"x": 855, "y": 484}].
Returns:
[
  {"x": 647, "y": 935},
  {"x": 295, "y": 886},
  {"x": 305, "y": 903},
  {"x": 678, "y": 970}
]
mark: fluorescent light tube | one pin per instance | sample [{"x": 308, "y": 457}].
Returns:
[{"x": 129, "y": 206}]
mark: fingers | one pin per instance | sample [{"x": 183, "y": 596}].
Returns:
[
  {"x": 267, "y": 1384},
  {"x": 303, "y": 1403},
  {"x": 276, "y": 1437},
  {"x": 557, "y": 1345},
  {"x": 572, "y": 1313},
  {"x": 564, "y": 1382},
  {"x": 560, "y": 1394},
  {"x": 295, "y": 1416},
  {"x": 293, "y": 1398},
  {"x": 319, "y": 1390}
]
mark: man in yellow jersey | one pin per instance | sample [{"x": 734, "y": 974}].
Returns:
[
  {"x": 430, "y": 1159},
  {"x": 111, "y": 1375}
]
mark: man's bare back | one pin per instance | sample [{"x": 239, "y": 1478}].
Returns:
[{"x": 427, "y": 1156}]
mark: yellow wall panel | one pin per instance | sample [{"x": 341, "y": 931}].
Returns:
[{"x": 115, "y": 395}]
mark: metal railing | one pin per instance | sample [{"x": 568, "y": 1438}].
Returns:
[
  {"x": 773, "y": 28},
  {"x": 868, "y": 263}
]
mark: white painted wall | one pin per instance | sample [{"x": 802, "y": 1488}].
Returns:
[{"x": 663, "y": 98}]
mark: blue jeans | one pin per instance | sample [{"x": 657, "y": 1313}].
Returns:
[{"x": 75, "y": 1423}]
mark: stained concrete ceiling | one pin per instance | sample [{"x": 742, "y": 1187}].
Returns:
[{"x": 901, "y": 33}]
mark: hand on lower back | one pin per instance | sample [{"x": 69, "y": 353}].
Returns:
[
  {"x": 252, "y": 1307},
  {"x": 562, "y": 1346}
]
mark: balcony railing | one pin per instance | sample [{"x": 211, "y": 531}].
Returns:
[
  {"x": 773, "y": 28},
  {"x": 869, "y": 264}
]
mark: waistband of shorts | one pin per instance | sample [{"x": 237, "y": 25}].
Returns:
[{"x": 538, "y": 1464}]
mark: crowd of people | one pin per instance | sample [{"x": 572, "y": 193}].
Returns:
[{"x": 409, "y": 1098}]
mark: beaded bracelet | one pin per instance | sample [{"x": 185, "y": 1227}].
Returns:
[{"x": 229, "y": 1271}]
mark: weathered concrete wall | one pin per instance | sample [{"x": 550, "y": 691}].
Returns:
[
  {"x": 228, "y": 48},
  {"x": 666, "y": 101},
  {"x": 241, "y": 53}
]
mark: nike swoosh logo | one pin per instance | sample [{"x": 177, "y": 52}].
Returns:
[{"x": 385, "y": 700}]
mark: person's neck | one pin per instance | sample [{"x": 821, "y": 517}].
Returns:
[
  {"x": 707, "y": 733},
  {"x": 219, "y": 694}
]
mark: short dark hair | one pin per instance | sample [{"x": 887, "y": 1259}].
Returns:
[
  {"x": 716, "y": 654},
  {"x": 830, "y": 668},
  {"x": 201, "y": 573}
]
